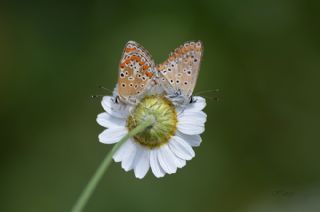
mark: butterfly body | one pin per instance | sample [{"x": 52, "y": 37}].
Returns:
[{"x": 176, "y": 77}]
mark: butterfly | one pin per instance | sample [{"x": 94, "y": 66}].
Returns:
[
  {"x": 136, "y": 73},
  {"x": 176, "y": 77},
  {"x": 179, "y": 73}
]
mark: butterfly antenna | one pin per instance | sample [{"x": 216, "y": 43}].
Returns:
[
  {"x": 216, "y": 98},
  {"x": 104, "y": 88},
  {"x": 97, "y": 96},
  {"x": 217, "y": 90},
  {"x": 100, "y": 95}
]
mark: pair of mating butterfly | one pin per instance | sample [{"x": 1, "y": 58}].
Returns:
[{"x": 177, "y": 76}]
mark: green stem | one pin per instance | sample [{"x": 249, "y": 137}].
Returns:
[{"x": 92, "y": 184}]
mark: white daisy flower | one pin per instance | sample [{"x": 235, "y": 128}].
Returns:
[{"x": 164, "y": 146}]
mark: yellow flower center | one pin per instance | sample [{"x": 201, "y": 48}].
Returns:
[{"x": 162, "y": 111}]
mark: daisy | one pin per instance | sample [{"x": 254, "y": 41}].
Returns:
[{"x": 163, "y": 147}]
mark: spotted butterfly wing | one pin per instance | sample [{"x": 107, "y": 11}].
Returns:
[
  {"x": 135, "y": 72},
  {"x": 178, "y": 75}
]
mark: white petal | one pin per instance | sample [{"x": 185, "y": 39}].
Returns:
[
  {"x": 192, "y": 123},
  {"x": 179, "y": 162},
  {"x": 191, "y": 130},
  {"x": 181, "y": 148},
  {"x": 118, "y": 110},
  {"x": 112, "y": 135},
  {"x": 198, "y": 104},
  {"x": 142, "y": 163},
  {"x": 192, "y": 140},
  {"x": 198, "y": 116},
  {"x": 128, "y": 158},
  {"x": 121, "y": 152},
  {"x": 166, "y": 159},
  {"x": 109, "y": 121},
  {"x": 154, "y": 164},
  {"x": 107, "y": 103}
]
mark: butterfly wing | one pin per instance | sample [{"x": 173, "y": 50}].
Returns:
[
  {"x": 178, "y": 74},
  {"x": 135, "y": 72}
]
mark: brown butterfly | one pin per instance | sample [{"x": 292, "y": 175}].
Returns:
[{"x": 177, "y": 76}]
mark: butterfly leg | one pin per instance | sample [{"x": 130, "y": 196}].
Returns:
[
  {"x": 192, "y": 100},
  {"x": 117, "y": 99}
]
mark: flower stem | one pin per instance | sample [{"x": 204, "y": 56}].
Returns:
[{"x": 92, "y": 184}]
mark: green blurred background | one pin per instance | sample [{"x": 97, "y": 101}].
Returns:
[{"x": 260, "y": 150}]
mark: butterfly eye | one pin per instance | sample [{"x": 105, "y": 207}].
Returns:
[
  {"x": 189, "y": 72},
  {"x": 123, "y": 85},
  {"x": 127, "y": 73},
  {"x": 177, "y": 81},
  {"x": 131, "y": 78},
  {"x": 171, "y": 81},
  {"x": 185, "y": 82},
  {"x": 122, "y": 75},
  {"x": 130, "y": 84}
]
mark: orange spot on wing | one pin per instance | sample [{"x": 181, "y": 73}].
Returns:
[
  {"x": 145, "y": 67},
  {"x": 141, "y": 63},
  {"x": 130, "y": 50},
  {"x": 136, "y": 58},
  {"x": 127, "y": 61},
  {"x": 149, "y": 74},
  {"x": 122, "y": 65}
]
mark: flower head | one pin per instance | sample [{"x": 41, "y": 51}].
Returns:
[
  {"x": 162, "y": 111},
  {"x": 164, "y": 146}
]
